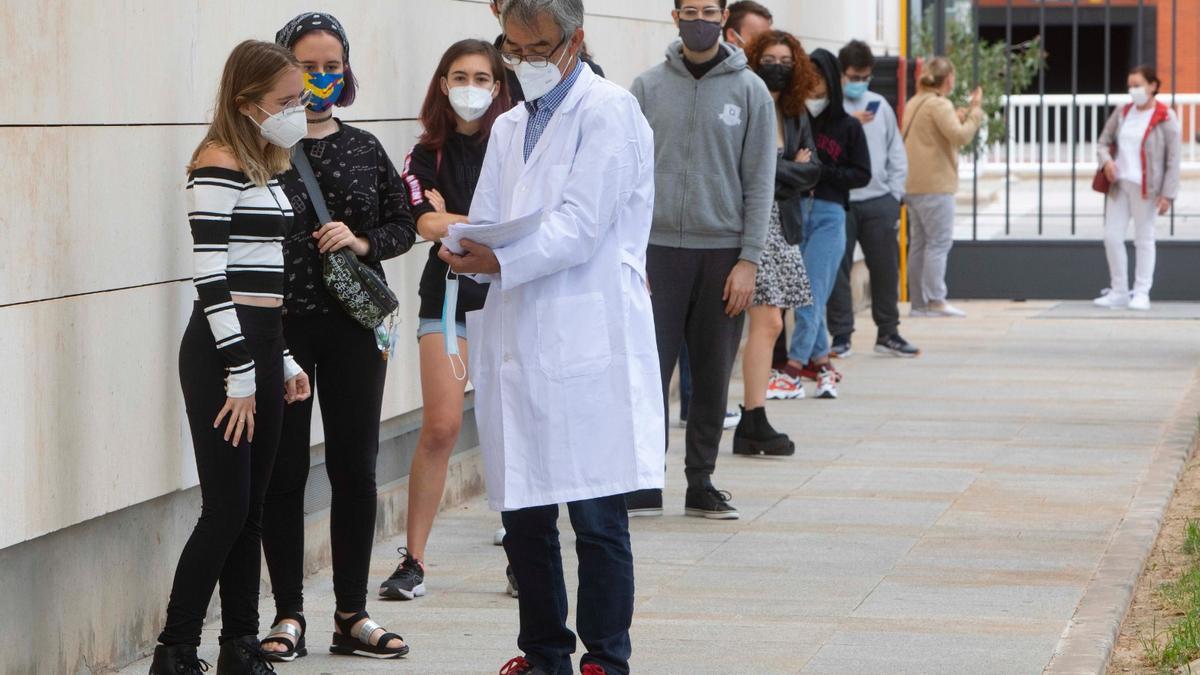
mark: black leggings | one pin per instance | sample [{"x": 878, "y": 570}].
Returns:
[
  {"x": 225, "y": 544},
  {"x": 347, "y": 373}
]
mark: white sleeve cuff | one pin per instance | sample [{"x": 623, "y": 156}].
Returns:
[
  {"x": 290, "y": 367},
  {"x": 240, "y": 385}
]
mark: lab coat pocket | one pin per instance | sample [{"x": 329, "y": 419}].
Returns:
[{"x": 572, "y": 335}]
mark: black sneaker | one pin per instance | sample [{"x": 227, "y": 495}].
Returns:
[
  {"x": 709, "y": 502},
  {"x": 407, "y": 582},
  {"x": 177, "y": 660},
  {"x": 896, "y": 346},
  {"x": 243, "y": 656},
  {"x": 644, "y": 503},
  {"x": 841, "y": 347},
  {"x": 512, "y": 589}
]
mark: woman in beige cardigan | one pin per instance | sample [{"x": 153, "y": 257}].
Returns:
[
  {"x": 1139, "y": 153},
  {"x": 934, "y": 132}
]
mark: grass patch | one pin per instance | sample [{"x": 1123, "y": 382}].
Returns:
[
  {"x": 1179, "y": 644},
  {"x": 1191, "y": 540}
]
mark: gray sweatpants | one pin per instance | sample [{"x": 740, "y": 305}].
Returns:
[
  {"x": 930, "y": 238},
  {"x": 686, "y": 286}
]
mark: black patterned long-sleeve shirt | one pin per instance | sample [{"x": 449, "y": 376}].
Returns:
[{"x": 363, "y": 190}]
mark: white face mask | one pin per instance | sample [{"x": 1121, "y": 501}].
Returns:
[
  {"x": 470, "y": 102},
  {"x": 537, "y": 82},
  {"x": 816, "y": 106},
  {"x": 1139, "y": 95},
  {"x": 285, "y": 128}
]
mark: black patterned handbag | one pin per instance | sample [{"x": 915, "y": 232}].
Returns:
[{"x": 361, "y": 291}]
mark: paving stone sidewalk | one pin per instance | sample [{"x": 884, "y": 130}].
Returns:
[{"x": 945, "y": 515}]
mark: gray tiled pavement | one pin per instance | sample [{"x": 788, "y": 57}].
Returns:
[{"x": 944, "y": 516}]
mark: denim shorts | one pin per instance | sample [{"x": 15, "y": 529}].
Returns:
[{"x": 434, "y": 327}]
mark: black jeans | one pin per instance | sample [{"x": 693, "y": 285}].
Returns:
[
  {"x": 605, "y": 610},
  {"x": 347, "y": 372},
  {"x": 225, "y": 544},
  {"x": 873, "y": 224},
  {"x": 686, "y": 286}
]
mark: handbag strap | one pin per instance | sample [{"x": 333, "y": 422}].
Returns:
[
  {"x": 300, "y": 161},
  {"x": 913, "y": 120}
]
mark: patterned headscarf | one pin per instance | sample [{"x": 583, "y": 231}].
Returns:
[{"x": 307, "y": 23}]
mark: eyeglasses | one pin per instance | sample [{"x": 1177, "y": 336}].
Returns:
[
  {"x": 710, "y": 13},
  {"x": 858, "y": 78},
  {"x": 771, "y": 60},
  {"x": 536, "y": 60}
]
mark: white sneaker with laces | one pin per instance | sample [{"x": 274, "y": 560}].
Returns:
[
  {"x": 784, "y": 387},
  {"x": 946, "y": 309},
  {"x": 1113, "y": 300},
  {"x": 732, "y": 418},
  {"x": 1140, "y": 302},
  {"x": 827, "y": 383}
]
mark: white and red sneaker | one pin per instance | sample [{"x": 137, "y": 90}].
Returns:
[
  {"x": 784, "y": 387},
  {"x": 827, "y": 381}
]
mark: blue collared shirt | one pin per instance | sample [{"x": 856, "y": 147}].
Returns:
[{"x": 541, "y": 110}]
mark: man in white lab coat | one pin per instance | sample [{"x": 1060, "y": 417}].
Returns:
[{"x": 563, "y": 355}]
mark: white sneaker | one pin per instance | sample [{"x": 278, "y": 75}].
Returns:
[
  {"x": 784, "y": 387},
  {"x": 919, "y": 313},
  {"x": 498, "y": 538},
  {"x": 1113, "y": 300},
  {"x": 945, "y": 309},
  {"x": 1140, "y": 302},
  {"x": 732, "y": 418},
  {"x": 827, "y": 383}
]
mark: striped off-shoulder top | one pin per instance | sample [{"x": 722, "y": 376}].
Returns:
[{"x": 237, "y": 235}]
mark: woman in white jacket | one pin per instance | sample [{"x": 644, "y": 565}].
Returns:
[{"x": 1139, "y": 154}]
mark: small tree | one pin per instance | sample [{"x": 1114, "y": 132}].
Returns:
[{"x": 1024, "y": 59}]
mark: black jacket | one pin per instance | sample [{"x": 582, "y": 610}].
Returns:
[
  {"x": 795, "y": 180},
  {"x": 841, "y": 143}
]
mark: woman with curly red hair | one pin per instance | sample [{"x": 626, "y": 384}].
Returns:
[{"x": 781, "y": 281}]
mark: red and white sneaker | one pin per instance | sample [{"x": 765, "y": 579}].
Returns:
[
  {"x": 827, "y": 381},
  {"x": 784, "y": 387}
]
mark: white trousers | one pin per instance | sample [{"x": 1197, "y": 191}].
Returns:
[{"x": 1125, "y": 203}]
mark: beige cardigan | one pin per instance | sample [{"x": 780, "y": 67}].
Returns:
[{"x": 932, "y": 137}]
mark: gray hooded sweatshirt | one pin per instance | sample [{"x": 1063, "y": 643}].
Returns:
[{"x": 715, "y": 154}]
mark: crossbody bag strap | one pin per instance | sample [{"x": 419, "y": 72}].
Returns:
[
  {"x": 300, "y": 161},
  {"x": 913, "y": 120}
]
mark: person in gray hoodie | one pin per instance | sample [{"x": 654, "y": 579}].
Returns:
[{"x": 714, "y": 144}]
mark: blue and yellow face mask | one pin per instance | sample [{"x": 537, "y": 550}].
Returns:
[{"x": 326, "y": 89}]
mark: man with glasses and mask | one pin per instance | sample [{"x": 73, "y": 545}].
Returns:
[
  {"x": 714, "y": 141},
  {"x": 514, "y": 85},
  {"x": 567, "y": 389},
  {"x": 747, "y": 20}
]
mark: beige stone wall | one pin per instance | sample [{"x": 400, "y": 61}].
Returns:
[{"x": 107, "y": 99}]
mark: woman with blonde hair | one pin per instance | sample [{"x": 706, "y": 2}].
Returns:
[
  {"x": 234, "y": 367},
  {"x": 934, "y": 132},
  {"x": 1139, "y": 154}
]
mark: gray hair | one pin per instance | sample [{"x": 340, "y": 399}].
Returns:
[{"x": 568, "y": 14}]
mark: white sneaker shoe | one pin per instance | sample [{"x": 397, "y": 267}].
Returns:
[
  {"x": 732, "y": 418},
  {"x": 498, "y": 538},
  {"x": 1140, "y": 302},
  {"x": 784, "y": 387},
  {"x": 1113, "y": 300},
  {"x": 827, "y": 383},
  {"x": 945, "y": 309}
]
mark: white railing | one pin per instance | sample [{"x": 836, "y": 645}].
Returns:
[{"x": 1041, "y": 129}]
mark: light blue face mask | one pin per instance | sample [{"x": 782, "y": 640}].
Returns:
[
  {"x": 449, "y": 326},
  {"x": 855, "y": 90}
]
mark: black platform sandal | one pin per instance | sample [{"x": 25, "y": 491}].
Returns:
[
  {"x": 357, "y": 642},
  {"x": 287, "y": 635}
]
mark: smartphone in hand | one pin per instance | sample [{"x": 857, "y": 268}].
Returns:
[{"x": 873, "y": 107}]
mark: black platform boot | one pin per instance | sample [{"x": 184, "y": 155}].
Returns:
[
  {"x": 177, "y": 660},
  {"x": 756, "y": 436},
  {"x": 243, "y": 656}
]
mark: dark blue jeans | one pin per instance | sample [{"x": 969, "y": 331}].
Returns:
[{"x": 605, "y": 609}]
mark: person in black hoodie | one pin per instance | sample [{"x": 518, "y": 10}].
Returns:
[{"x": 845, "y": 165}]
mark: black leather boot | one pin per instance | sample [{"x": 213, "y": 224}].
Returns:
[
  {"x": 755, "y": 436},
  {"x": 243, "y": 656},
  {"x": 177, "y": 660}
]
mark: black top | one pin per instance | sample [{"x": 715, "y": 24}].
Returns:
[
  {"x": 516, "y": 94},
  {"x": 841, "y": 142},
  {"x": 454, "y": 176},
  {"x": 699, "y": 70},
  {"x": 364, "y": 191}
]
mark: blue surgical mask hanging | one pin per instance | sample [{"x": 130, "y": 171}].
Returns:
[{"x": 450, "y": 326}]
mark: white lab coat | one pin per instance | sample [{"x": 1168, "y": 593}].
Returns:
[{"x": 568, "y": 396}]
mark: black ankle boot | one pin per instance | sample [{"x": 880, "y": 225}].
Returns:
[
  {"x": 756, "y": 436},
  {"x": 243, "y": 656},
  {"x": 177, "y": 660}
]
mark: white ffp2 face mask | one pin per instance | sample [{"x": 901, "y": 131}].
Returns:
[
  {"x": 469, "y": 102},
  {"x": 1139, "y": 95},
  {"x": 537, "y": 82},
  {"x": 816, "y": 106},
  {"x": 285, "y": 128}
]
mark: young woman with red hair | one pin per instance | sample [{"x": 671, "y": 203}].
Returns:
[
  {"x": 781, "y": 282},
  {"x": 468, "y": 92}
]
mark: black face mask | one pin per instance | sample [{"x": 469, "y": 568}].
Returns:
[{"x": 776, "y": 75}]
